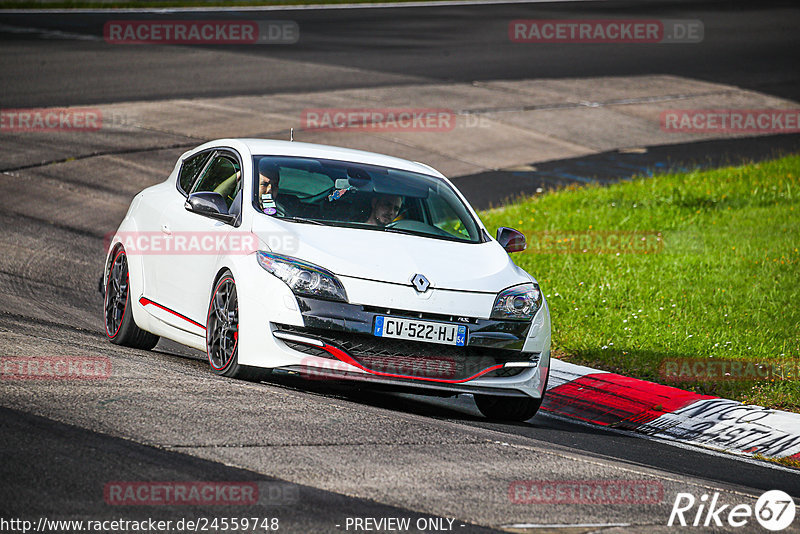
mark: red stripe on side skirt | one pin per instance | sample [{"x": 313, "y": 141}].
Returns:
[{"x": 145, "y": 301}]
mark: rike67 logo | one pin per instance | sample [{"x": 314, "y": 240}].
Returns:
[{"x": 774, "y": 511}]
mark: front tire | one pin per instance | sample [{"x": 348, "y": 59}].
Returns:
[
  {"x": 510, "y": 408},
  {"x": 507, "y": 408},
  {"x": 222, "y": 333},
  {"x": 121, "y": 329}
]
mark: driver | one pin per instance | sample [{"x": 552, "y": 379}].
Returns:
[{"x": 384, "y": 209}]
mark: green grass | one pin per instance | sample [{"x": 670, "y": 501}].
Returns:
[
  {"x": 788, "y": 461},
  {"x": 725, "y": 285}
]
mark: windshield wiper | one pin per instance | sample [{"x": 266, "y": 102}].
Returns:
[
  {"x": 302, "y": 220},
  {"x": 406, "y": 232},
  {"x": 424, "y": 234}
]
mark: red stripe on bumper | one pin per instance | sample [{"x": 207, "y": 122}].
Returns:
[{"x": 343, "y": 356}]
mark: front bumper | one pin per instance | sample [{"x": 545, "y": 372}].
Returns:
[{"x": 338, "y": 341}]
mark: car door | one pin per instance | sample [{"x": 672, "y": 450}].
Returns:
[
  {"x": 186, "y": 273},
  {"x": 153, "y": 240}
]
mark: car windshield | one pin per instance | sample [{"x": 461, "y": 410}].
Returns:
[{"x": 357, "y": 195}]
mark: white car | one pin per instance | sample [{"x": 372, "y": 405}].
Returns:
[{"x": 333, "y": 264}]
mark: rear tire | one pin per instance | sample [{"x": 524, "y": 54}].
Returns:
[
  {"x": 121, "y": 329},
  {"x": 222, "y": 333}
]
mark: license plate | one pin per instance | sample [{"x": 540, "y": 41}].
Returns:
[{"x": 395, "y": 327}]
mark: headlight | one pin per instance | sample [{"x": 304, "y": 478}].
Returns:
[
  {"x": 518, "y": 302},
  {"x": 303, "y": 278}
]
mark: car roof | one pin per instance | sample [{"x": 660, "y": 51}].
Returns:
[{"x": 271, "y": 147}]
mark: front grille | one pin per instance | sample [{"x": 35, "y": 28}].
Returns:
[
  {"x": 413, "y": 358},
  {"x": 308, "y": 349},
  {"x": 506, "y": 371}
]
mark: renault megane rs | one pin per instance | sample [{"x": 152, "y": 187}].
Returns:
[{"x": 330, "y": 263}]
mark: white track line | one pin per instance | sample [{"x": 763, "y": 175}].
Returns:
[
  {"x": 381, "y": 5},
  {"x": 558, "y": 525},
  {"x": 48, "y": 34}
]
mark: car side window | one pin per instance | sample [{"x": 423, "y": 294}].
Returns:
[
  {"x": 445, "y": 218},
  {"x": 191, "y": 166},
  {"x": 224, "y": 176}
]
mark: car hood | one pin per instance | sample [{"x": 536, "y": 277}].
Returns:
[{"x": 393, "y": 258}]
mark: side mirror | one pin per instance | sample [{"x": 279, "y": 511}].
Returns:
[
  {"x": 209, "y": 204},
  {"x": 511, "y": 240}
]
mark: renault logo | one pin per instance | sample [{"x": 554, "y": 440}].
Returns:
[{"x": 421, "y": 284}]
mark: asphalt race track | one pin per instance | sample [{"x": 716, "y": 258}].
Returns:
[
  {"x": 321, "y": 455},
  {"x": 748, "y": 44}
]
